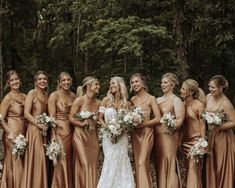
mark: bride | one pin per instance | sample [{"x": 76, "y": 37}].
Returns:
[{"x": 116, "y": 171}]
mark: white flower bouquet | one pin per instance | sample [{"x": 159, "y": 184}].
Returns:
[
  {"x": 168, "y": 120},
  {"x": 133, "y": 118},
  {"x": 46, "y": 120},
  {"x": 53, "y": 151},
  {"x": 83, "y": 115},
  {"x": 197, "y": 151},
  {"x": 214, "y": 118},
  {"x": 19, "y": 145}
]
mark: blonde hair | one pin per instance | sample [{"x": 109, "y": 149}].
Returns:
[
  {"x": 37, "y": 75},
  {"x": 172, "y": 78},
  {"x": 141, "y": 78},
  {"x": 87, "y": 81},
  {"x": 197, "y": 92},
  {"x": 220, "y": 82},
  {"x": 62, "y": 74},
  {"x": 122, "y": 91}
]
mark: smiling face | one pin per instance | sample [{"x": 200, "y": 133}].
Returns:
[
  {"x": 166, "y": 85},
  {"x": 41, "y": 81},
  {"x": 214, "y": 89},
  {"x": 95, "y": 87},
  {"x": 65, "y": 82},
  {"x": 184, "y": 92},
  {"x": 113, "y": 86},
  {"x": 14, "y": 82},
  {"x": 136, "y": 84}
]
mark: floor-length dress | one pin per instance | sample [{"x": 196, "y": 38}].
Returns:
[
  {"x": 116, "y": 170},
  {"x": 12, "y": 166},
  {"x": 191, "y": 132},
  {"x": 86, "y": 156},
  {"x": 63, "y": 170},
  {"x": 220, "y": 162},
  {"x": 35, "y": 173},
  {"x": 142, "y": 144},
  {"x": 165, "y": 150}
]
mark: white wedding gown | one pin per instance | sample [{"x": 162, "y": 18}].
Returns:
[{"x": 116, "y": 171}]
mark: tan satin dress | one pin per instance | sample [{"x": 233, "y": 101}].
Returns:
[
  {"x": 142, "y": 143},
  {"x": 165, "y": 150},
  {"x": 191, "y": 131},
  {"x": 220, "y": 163},
  {"x": 86, "y": 156},
  {"x": 35, "y": 173},
  {"x": 63, "y": 170},
  {"x": 12, "y": 166}
]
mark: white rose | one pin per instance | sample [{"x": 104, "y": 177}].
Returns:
[
  {"x": 204, "y": 143},
  {"x": 210, "y": 119}
]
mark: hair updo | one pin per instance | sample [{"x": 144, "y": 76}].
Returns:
[
  {"x": 220, "y": 81},
  {"x": 172, "y": 78},
  {"x": 87, "y": 81}
]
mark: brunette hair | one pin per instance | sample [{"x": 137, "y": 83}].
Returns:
[
  {"x": 8, "y": 76},
  {"x": 141, "y": 78},
  {"x": 37, "y": 75},
  {"x": 220, "y": 81}
]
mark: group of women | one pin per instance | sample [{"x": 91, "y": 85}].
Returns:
[{"x": 78, "y": 167}]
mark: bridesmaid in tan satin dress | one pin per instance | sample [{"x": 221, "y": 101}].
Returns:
[
  {"x": 193, "y": 129},
  {"x": 35, "y": 166},
  {"x": 59, "y": 105},
  {"x": 143, "y": 136},
  {"x": 12, "y": 109},
  {"x": 166, "y": 145},
  {"x": 85, "y": 142},
  {"x": 220, "y": 163}
]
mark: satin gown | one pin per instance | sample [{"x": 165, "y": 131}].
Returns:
[
  {"x": 86, "y": 156},
  {"x": 220, "y": 163},
  {"x": 63, "y": 170},
  {"x": 12, "y": 166},
  {"x": 165, "y": 150},
  {"x": 191, "y": 132},
  {"x": 142, "y": 143},
  {"x": 35, "y": 173},
  {"x": 116, "y": 170}
]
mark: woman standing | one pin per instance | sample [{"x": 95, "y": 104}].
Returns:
[
  {"x": 220, "y": 163},
  {"x": 116, "y": 171},
  {"x": 59, "y": 105},
  {"x": 85, "y": 141},
  {"x": 143, "y": 135},
  {"x": 193, "y": 129},
  {"x": 12, "y": 109},
  {"x": 166, "y": 143},
  {"x": 35, "y": 165}
]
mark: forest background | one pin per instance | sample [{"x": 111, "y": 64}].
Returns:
[{"x": 192, "y": 38}]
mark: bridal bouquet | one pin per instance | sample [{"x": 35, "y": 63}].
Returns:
[
  {"x": 19, "y": 145},
  {"x": 168, "y": 119},
  {"x": 46, "y": 120},
  {"x": 214, "y": 118},
  {"x": 53, "y": 151},
  {"x": 197, "y": 151},
  {"x": 133, "y": 118},
  {"x": 83, "y": 115},
  {"x": 1, "y": 118}
]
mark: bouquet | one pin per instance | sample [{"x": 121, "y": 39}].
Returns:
[
  {"x": 19, "y": 145},
  {"x": 133, "y": 118},
  {"x": 214, "y": 118},
  {"x": 83, "y": 115},
  {"x": 53, "y": 151},
  {"x": 197, "y": 151},
  {"x": 46, "y": 120},
  {"x": 168, "y": 119},
  {"x": 116, "y": 127}
]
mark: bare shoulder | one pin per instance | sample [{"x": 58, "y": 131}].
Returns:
[
  {"x": 7, "y": 99},
  {"x": 54, "y": 94},
  {"x": 227, "y": 104},
  {"x": 133, "y": 98},
  {"x": 177, "y": 100},
  {"x": 104, "y": 101}
]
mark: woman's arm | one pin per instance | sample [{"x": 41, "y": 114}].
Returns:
[
  {"x": 179, "y": 110},
  {"x": 101, "y": 113},
  {"x": 3, "y": 111},
  {"x": 201, "y": 109},
  {"x": 52, "y": 111},
  {"x": 74, "y": 109}
]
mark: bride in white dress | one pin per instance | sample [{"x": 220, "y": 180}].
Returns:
[{"x": 116, "y": 171}]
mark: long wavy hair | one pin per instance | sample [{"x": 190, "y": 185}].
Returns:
[
  {"x": 87, "y": 81},
  {"x": 141, "y": 78},
  {"x": 122, "y": 92},
  {"x": 8, "y": 76},
  {"x": 62, "y": 74},
  {"x": 37, "y": 75}
]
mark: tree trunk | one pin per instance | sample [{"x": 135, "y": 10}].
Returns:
[{"x": 181, "y": 50}]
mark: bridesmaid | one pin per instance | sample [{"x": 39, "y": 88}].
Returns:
[
  {"x": 85, "y": 142},
  {"x": 59, "y": 105},
  {"x": 12, "y": 109},
  {"x": 220, "y": 163},
  {"x": 166, "y": 145},
  {"x": 35, "y": 165},
  {"x": 143, "y": 136},
  {"x": 193, "y": 129}
]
